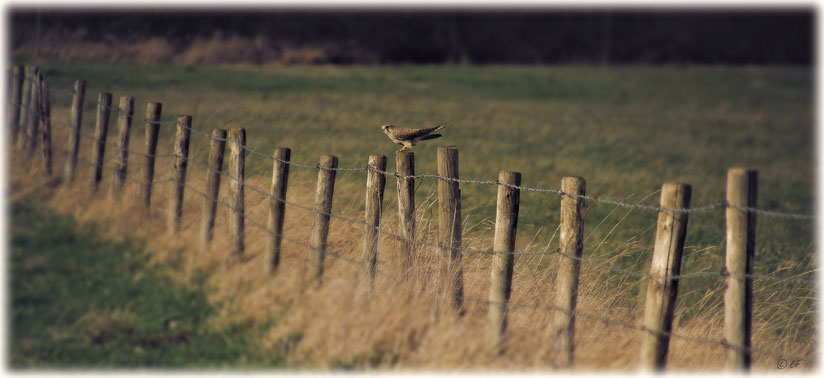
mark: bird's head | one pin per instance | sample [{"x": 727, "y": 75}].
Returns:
[{"x": 387, "y": 127}]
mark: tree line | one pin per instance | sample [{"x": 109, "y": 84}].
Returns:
[{"x": 391, "y": 36}]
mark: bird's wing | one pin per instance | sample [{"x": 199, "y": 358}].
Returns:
[{"x": 405, "y": 134}]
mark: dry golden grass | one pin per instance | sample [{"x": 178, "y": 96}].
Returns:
[
  {"x": 222, "y": 49},
  {"x": 219, "y": 48},
  {"x": 399, "y": 326},
  {"x": 75, "y": 46}
]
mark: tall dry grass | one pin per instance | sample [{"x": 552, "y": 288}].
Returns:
[
  {"x": 400, "y": 325},
  {"x": 219, "y": 48}
]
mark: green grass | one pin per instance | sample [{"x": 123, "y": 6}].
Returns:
[
  {"x": 626, "y": 130},
  {"x": 81, "y": 302}
]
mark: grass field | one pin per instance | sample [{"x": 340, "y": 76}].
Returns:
[{"x": 626, "y": 130}]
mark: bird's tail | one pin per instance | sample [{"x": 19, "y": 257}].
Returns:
[{"x": 431, "y": 136}]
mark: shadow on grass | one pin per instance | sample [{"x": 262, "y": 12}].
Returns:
[{"x": 81, "y": 302}]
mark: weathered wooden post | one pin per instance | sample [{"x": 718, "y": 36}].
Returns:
[
  {"x": 237, "y": 169},
  {"x": 75, "y": 124},
  {"x": 184, "y": 125},
  {"x": 216, "y": 150},
  {"x": 277, "y": 207},
  {"x": 152, "y": 128},
  {"x": 742, "y": 192},
  {"x": 571, "y": 245},
  {"x": 506, "y": 226},
  {"x": 666, "y": 262},
  {"x": 14, "y": 101},
  {"x": 375, "y": 184},
  {"x": 405, "y": 166},
  {"x": 104, "y": 103},
  {"x": 323, "y": 207},
  {"x": 449, "y": 225},
  {"x": 24, "y": 106},
  {"x": 26, "y": 109},
  {"x": 124, "y": 121},
  {"x": 45, "y": 124},
  {"x": 30, "y": 142}
]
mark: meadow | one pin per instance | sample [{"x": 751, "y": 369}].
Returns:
[{"x": 625, "y": 129}]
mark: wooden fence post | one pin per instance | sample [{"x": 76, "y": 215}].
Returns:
[
  {"x": 277, "y": 207},
  {"x": 666, "y": 262},
  {"x": 104, "y": 104},
  {"x": 571, "y": 245},
  {"x": 742, "y": 191},
  {"x": 449, "y": 225},
  {"x": 217, "y": 147},
  {"x": 323, "y": 207},
  {"x": 45, "y": 127},
  {"x": 405, "y": 165},
  {"x": 124, "y": 120},
  {"x": 74, "y": 133},
  {"x": 14, "y": 101},
  {"x": 184, "y": 125},
  {"x": 506, "y": 226},
  {"x": 26, "y": 108},
  {"x": 237, "y": 164},
  {"x": 152, "y": 128},
  {"x": 375, "y": 184},
  {"x": 34, "y": 114}
]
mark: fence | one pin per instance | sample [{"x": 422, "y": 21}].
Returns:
[{"x": 30, "y": 122}]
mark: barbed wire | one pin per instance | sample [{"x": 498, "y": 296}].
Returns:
[
  {"x": 231, "y": 208},
  {"x": 354, "y": 221},
  {"x": 650, "y": 208},
  {"x": 382, "y": 231},
  {"x": 115, "y": 169},
  {"x": 114, "y": 145},
  {"x": 723, "y": 273},
  {"x": 280, "y": 235}
]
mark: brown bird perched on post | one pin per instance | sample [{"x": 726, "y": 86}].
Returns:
[{"x": 409, "y": 137}]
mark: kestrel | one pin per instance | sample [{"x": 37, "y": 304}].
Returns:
[{"x": 409, "y": 137}]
